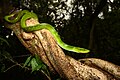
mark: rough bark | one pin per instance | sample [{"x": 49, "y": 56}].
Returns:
[{"x": 42, "y": 43}]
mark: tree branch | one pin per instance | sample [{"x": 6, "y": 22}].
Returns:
[{"x": 42, "y": 43}]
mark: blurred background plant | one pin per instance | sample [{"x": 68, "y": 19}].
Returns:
[{"x": 92, "y": 24}]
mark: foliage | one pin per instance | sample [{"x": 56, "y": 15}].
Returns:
[
  {"x": 35, "y": 63},
  {"x": 75, "y": 20},
  {"x": 3, "y": 53}
]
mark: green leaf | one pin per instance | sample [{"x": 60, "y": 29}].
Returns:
[
  {"x": 38, "y": 59},
  {"x": 34, "y": 64},
  {"x": 44, "y": 67},
  {"x": 27, "y": 61},
  {"x": 39, "y": 67}
]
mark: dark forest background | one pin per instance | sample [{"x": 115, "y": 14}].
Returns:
[{"x": 92, "y": 24}]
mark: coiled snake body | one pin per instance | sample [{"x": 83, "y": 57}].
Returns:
[{"x": 25, "y": 14}]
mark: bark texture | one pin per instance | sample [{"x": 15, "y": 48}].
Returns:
[{"x": 41, "y": 42}]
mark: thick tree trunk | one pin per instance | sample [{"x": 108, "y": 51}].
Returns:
[{"x": 42, "y": 43}]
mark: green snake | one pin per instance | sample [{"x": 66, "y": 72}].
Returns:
[{"x": 24, "y": 15}]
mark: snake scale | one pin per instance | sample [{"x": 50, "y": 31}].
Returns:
[{"x": 24, "y": 15}]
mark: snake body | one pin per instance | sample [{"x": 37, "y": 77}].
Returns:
[{"x": 25, "y": 14}]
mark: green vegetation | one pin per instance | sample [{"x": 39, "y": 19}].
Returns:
[{"x": 78, "y": 24}]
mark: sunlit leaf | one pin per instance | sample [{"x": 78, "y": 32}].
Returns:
[{"x": 34, "y": 64}]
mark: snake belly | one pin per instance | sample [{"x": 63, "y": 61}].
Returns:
[{"x": 25, "y": 15}]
